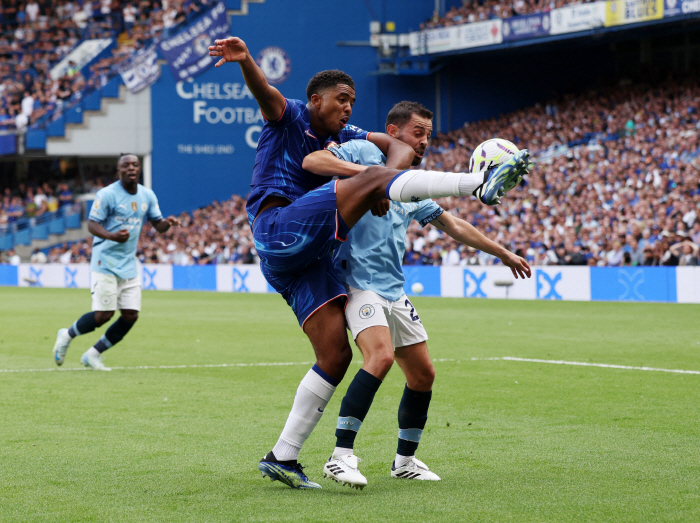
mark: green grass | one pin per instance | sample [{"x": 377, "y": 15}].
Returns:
[{"x": 512, "y": 441}]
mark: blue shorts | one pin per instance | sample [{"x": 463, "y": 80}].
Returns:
[{"x": 294, "y": 245}]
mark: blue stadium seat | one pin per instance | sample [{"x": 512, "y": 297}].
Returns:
[
  {"x": 57, "y": 224},
  {"x": 40, "y": 231}
]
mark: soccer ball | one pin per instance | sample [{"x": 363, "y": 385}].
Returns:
[
  {"x": 491, "y": 153},
  {"x": 417, "y": 288}
]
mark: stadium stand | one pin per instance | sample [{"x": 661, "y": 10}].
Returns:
[
  {"x": 35, "y": 36},
  {"x": 478, "y": 10}
]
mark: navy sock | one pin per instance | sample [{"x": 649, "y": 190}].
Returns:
[
  {"x": 114, "y": 334},
  {"x": 86, "y": 323},
  {"x": 354, "y": 408},
  {"x": 413, "y": 413}
]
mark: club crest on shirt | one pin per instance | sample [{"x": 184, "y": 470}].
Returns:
[
  {"x": 366, "y": 311},
  {"x": 275, "y": 64},
  {"x": 144, "y": 206},
  {"x": 134, "y": 207}
]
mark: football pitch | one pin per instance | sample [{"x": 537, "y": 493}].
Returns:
[{"x": 202, "y": 385}]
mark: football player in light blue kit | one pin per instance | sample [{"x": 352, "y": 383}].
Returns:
[
  {"x": 381, "y": 318},
  {"x": 116, "y": 219}
]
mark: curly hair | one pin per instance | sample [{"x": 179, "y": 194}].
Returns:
[
  {"x": 326, "y": 79},
  {"x": 401, "y": 113}
]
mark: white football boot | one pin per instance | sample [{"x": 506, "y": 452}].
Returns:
[
  {"x": 60, "y": 348},
  {"x": 343, "y": 469},
  {"x": 93, "y": 360},
  {"x": 414, "y": 469}
]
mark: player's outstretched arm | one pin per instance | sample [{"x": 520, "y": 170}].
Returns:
[
  {"x": 96, "y": 229},
  {"x": 233, "y": 49},
  {"x": 163, "y": 225},
  {"x": 399, "y": 155},
  {"x": 467, "y": 234},
  {"x": 325, "y": 163}
]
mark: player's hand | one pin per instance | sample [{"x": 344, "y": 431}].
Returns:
[
  {"x": 173, "y": 222},
  {"x": 231, "y": 49},
  {"x": 518, "y": 265},
  {"x": 381, "y": 208},
  {"x": 120, "y": 236}
]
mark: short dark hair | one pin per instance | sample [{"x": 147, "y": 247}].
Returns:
[
  {"x": 401, "y": 113},
  {"x": 325, "y": 79}
]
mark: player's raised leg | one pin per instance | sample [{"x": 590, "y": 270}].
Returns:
[
  {"x": 326, "y": 331},
  {"x": 358, "y": 194},
  {"x": 415, "y": 362},
  {"x": 83, "y": 325}
]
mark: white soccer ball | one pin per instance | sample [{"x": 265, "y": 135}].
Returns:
[
  {"x": 491, "y": 153},
  {"x": 417, "y": 288}
]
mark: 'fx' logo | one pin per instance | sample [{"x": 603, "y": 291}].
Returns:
[
  {"x": 69, "y": 278},
  {"x": 631, "y": 283},
  {"x": 475, "y": 284},
  {"x": 34, "y": 279},
  {"x": 541, "y": 278},
  {"x": 149, "y": 277},
  {"x": 239, "y": 281}
]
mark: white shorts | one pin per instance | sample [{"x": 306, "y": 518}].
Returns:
[
  {"x": 367, "y": 309},
  {"x": 110, "y": 293}
]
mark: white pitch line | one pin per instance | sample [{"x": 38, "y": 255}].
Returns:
[
  {"x": 603, "y": 365},
  {"x": 437, "y": 360}
]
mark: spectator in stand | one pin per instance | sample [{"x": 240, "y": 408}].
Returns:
[
  {"x": 686, "y": 252},
  {"x": 65, "y": 196},
  {"x": 38, "y": 257}
]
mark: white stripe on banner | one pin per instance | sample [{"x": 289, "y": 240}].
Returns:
[{"x": 437, "y": 360}]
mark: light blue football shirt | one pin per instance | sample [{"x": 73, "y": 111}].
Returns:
[
  {"x": 371, "y": 257},
  {"x": 115, "y": 209}
]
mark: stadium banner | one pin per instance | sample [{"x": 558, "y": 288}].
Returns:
[
  {"x": 550, "y": 282},
  {"x": 680, "y": 7},
  {"x": 621, "y": 12},
  {"x": 633, "y": 284},
  {"x": 187, "y": 52},
  {"x": 580, "y": 17},
  {"x": 156, "y": 277},
  {"x": 140, "y": 70},
  {"x": 240, "y": 278},
  {"x": 476, "y": 34},
  {"x": 529, "y": 26}
]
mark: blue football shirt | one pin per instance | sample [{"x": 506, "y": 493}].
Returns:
[
  {"x": 371, "y": 258},
  {"x": 282, "y": 147},
  {"x": 115, "y": 209}
]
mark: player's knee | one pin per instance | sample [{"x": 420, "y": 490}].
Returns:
[
  {"x": 130, "y": 316},
  {"x": 102, "y": 317},
  {"x": 383, "y": 359},
  {"x": 424, "y": 379}
]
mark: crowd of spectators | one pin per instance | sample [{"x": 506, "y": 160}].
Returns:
[
  {"x": 479, "y": 10},
  {"x": 35, "y": 35},
  {"x": 29, "y": 202},
  {"x": 616, "y": 180}
]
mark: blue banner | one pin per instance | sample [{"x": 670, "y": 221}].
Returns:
[
  {"x": 520, "y": 27},
  {"x": 633, "y": 284},
  {"x": 8, "y": 144},
  {"x": 187, "y": 52},
  {"x": 680, "y": 7}
]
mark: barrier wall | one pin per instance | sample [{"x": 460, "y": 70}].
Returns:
[{"x": 650, "y": 284}]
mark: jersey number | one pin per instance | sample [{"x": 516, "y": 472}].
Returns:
[{"x": 413, "y": 309}]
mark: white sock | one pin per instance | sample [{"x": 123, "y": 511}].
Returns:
[
  {"x": 416, "y": 185},
  {"x": 92, "y": 351},
  {"x": 313, "y": 395},
  {"x": 402, "y": 461},
  {"x": 341, "y": 451}
]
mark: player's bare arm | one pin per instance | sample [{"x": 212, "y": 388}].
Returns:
[
  {"x": 96, "y": 229},
  {"x": 324, "y": 163},
  {"x": 467, "y": 234},
  {"x": 233, "y": 49},
  {"x": 164, "y": 225},
  {"x": 399, "y": 155}
]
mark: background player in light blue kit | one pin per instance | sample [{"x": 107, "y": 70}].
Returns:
[
  {"x": 116, "y": 219},
  {"x": 381, "y": 318}
]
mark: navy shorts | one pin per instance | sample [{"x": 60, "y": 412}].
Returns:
[{"x": 294, "y": 245}]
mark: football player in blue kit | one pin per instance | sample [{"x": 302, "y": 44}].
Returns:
[
  {"x": 381, "y": 318},
  {"x": 298, "y": 218},
  {"x": 116, "y": 218}
]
